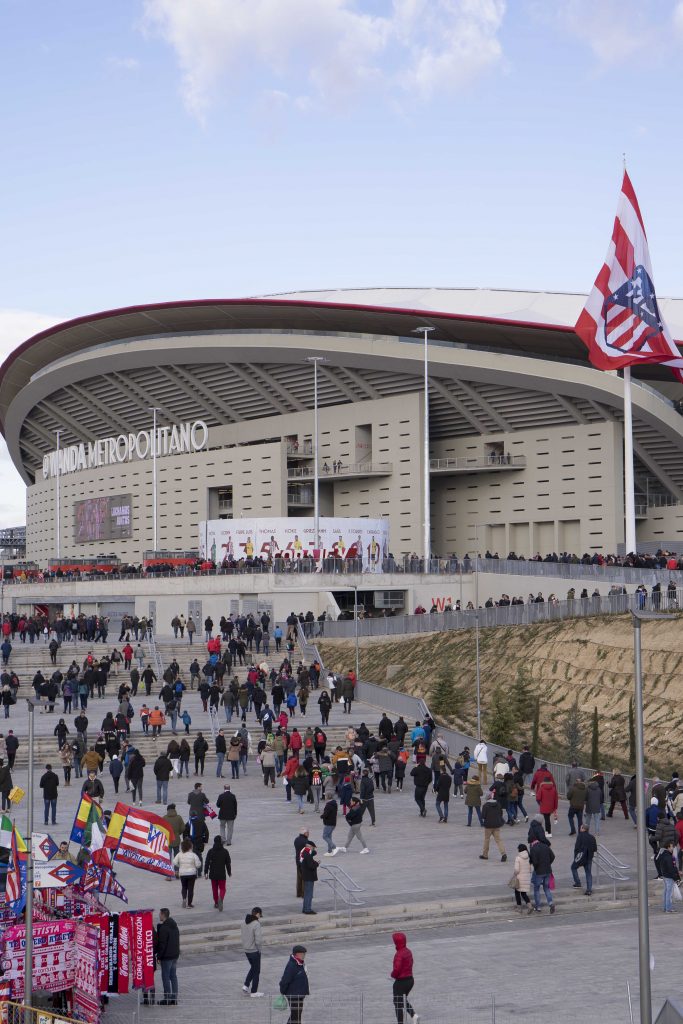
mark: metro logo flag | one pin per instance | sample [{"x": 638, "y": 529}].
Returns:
[
  {"x": 621, "y": 323},
  {"x": 87, "y": 812},
  {"x": 144, "y": 840}
]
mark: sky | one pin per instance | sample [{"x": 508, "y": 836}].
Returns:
[{"x": 164, "y": 149}]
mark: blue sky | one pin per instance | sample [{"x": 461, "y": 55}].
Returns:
[{"x": 161, "y": 149}]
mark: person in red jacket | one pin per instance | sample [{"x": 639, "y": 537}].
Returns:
[
  {"x": 402, "y": 974},
  {"x": 539, "y": 775},
  {"x": 546, "y": 797}
]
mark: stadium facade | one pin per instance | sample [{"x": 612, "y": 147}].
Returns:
[{"x": 525, "y": 437}]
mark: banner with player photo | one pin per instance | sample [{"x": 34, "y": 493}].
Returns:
[{"x": 365, "y": 540}]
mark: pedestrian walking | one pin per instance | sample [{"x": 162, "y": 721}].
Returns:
[
  {"x": 309, "y": 873},
  {"x": 521, "y": 879},
  {"x": 252, "y": 941},
  {"x": 666, "y": 866},
  {"x": 49, "y": 783},
  {"x": 422, "y": 776},
  {"x": 354, "y": 819},
  {"x": 402, "y": 974},
  {"x": 294, "y": 984},
  {"x": 541, "y": 857},
  {"x": 168, "y": 951},
  {"x": 617, "y": 793},
  {"x": 492, "y": 820},
  {"x": 187, "y": 864},
  {"x": 227, "y": 812},
  {"x": 329, "y": 820},
  {"x": 585, "y": 848},
  {"x": 218, "y": 868}
]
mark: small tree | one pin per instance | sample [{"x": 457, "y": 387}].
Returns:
[
  {"x": 445, "y": 698},
  {"x": 571, "y": 729},
  {"x": 631, "y": 734},
  {"x": 535, "y": 727},
  {"x": 525, "y": 700},
  {"x": 595, "y": 741},
  {"x": 501, "y": 719}
]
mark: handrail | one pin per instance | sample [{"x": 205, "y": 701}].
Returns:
[
  {"x": 326, "y": 472},
  {"x": 480, "y": 462},
  {"x": 342, "y": 886},
  {"x": 156, "y": 657},
  {"x": 614, "y": 868}
]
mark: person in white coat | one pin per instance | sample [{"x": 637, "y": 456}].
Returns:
[
  {"x": 522, "y": 879},
  {"x": 187, "y": 864},
  {"x": 481, "y": 756}
]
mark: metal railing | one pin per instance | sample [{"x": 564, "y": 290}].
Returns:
[
  {"x": 575, "y": 570},
  {"x": 463, "y": 463},
  {"x": 327, "y": 471},
  {"x": 611, "y": 866},
  {"x": 343, "y": 887},
  {"x": 156, "y": 657},
  {"x": 300, "y": 497},
  {"x": 506, "y": 615}
]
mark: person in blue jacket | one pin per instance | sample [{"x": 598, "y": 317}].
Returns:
[{"x": 294, "y": 984}]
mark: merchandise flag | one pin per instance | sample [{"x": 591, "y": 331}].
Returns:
[
  {"x": 140, "y": 838},
  {"x": 98, "y": 853},
  {"x": 115, "y": 828},
  {"x": 621, "y": 323},
  {"x": 56, "y": 875},
  {"x": 87, "y": 812},
  {"x": 43, "y": 846},
  {"x": 6, "y": 832},
  {"x": 16, "y": 874},
  {"x": 101, "y": 879}
]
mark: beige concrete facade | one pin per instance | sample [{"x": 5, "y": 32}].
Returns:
[{"x": 492, "y": 396}]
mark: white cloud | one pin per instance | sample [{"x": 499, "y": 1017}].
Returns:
[
  {"x": 16, "y": 326},
  {"x": 615, "y": 30},
  {"x": 331, "y": 49},
  {"x": 123, "y": 63}
]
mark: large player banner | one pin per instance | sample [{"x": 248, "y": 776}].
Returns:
[{"x": 293, "y": 539}]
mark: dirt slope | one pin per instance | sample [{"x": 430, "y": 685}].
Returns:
[{"x": 591, "y": 659}]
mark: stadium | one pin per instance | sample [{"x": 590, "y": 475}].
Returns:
[{"x": 525, "y": 437}]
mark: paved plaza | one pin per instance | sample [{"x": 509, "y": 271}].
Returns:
[{"x": 536, "y": 969}]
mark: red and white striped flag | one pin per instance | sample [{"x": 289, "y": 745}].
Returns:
[
  {"x": 145, "y": 842},
  {"x": 621, "y": 323}
]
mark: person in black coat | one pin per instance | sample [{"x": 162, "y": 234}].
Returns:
[
  {"x": 308, "y": 866},
  {"x": 585, "y": 848},
  {"x": 49, "y": 784},
  {"x": 218, "y": 868},
  {"x": 541, "y": 857},
  {"x": 422, "y": 776},
  {"x": 443, "y": 792},
  {"x": 200, "y": 748},
  {"x": 196, "y": 830},
  {"x": 294, "y": 984},
  {"x": 168, "y": 951}
]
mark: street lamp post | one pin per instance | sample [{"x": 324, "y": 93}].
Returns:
[
  {"x": 427, "y": 525},
  {"x": 316, "y": 480},
  {"x": 28, "y": 952},
  {"x": 643, "y": 910},
  {"x": 154, "y": 410},
  {"x": 58, "y": 517},
  {"x": 355, "y": 619}
]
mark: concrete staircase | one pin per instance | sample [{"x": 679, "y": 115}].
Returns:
[
  {"x": 27, "y": 658},
  {"x": 368, "y": 920}
]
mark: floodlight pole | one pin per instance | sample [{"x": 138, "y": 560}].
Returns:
[
  {"x": 427, "y": 524},
  {"x": 643, "y": 908},
  {"x": 58, "y": 502},
  {"x": 154, "y": 410},
  {"x": 316, "y": 479}
]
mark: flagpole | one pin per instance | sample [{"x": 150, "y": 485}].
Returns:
[
  {"x": 28, "y": 952},
  {"x": 629, "y": 481}
]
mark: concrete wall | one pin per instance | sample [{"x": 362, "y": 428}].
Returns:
[{"x": 568, "y": 498}]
